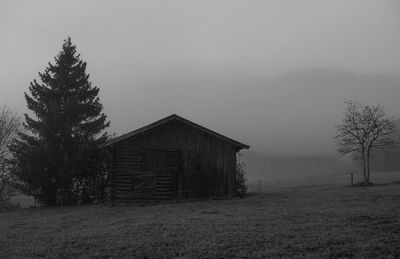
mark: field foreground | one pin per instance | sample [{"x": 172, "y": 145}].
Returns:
[{"x": 319, "y": 221}]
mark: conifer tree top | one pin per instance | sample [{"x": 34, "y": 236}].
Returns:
[{"x": 65, "y": 95}]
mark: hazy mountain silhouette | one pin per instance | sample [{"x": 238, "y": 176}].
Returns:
[
  {"x": 296, "y": 113},
  {"x": 293, "y": 114}
]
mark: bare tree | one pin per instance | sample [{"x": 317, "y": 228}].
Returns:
[
  {"x": 364, "y": 129},
  {"x": 9, "y": 124}
]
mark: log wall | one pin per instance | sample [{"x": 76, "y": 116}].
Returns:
[{"x": 172, "y": 161}]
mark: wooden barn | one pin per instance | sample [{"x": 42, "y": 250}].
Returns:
[{"x": 172, "y": 158}]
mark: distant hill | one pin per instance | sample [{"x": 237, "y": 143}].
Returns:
[
  {"x": 293, "y": 114},
  {"x": 290, "y": 114},
  {"x": 296, "y": 113}
]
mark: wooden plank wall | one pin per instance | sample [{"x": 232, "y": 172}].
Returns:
[{"x": 176, "y": 177}]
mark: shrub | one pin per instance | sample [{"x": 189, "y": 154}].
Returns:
[{"x": 240, "y": 178}]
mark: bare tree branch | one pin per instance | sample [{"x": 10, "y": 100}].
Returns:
[
  {"x": 363, "y": 130},
  {"x": 9, "y": 124}
]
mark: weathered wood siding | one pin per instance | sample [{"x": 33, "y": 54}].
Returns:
[{"x": 172, "y": 161}]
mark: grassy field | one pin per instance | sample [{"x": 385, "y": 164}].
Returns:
[{"x": 313, "y": 221}]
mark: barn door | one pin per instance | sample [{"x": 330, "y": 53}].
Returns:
[
  {"x": 165, "y": 166},
  {"x": 167, "y": 177},
  {"x": 195, "y": 180}
]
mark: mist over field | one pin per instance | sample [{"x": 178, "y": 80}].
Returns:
[{"x": 300, "y": 111}]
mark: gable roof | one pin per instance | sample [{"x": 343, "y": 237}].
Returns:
[{"x": 168, "y": 119}]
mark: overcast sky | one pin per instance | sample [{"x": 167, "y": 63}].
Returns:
[{"x": 227, "y": 65}]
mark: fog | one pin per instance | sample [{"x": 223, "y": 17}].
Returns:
[{"x": 271, "y": 74}]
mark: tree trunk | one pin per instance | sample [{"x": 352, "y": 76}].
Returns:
[
  {"x": 2, "y": 187},
  {"x": 368, "y": 170},
  {"x": 364, "y": 167}
]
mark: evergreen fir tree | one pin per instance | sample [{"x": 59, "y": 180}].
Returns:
[{"x": 57, "y": 148}]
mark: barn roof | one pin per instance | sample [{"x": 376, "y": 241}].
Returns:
[{"x": 172, "y": 118}]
